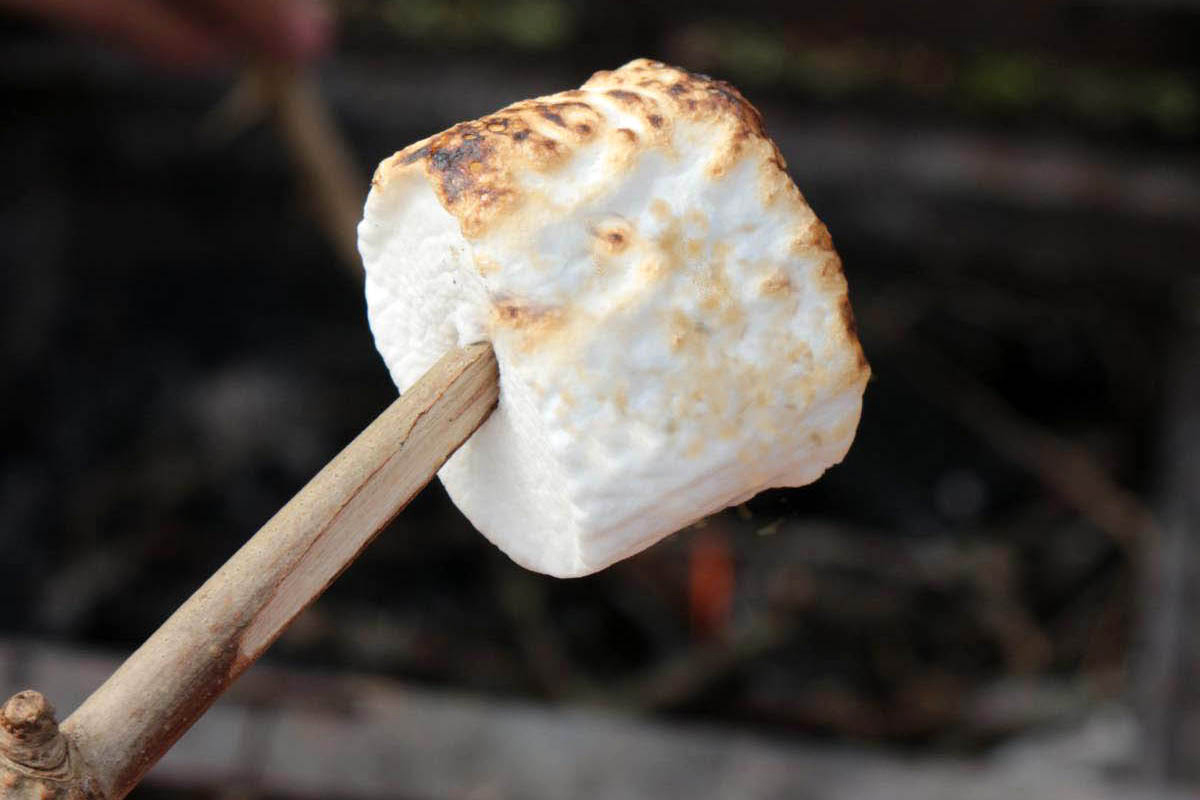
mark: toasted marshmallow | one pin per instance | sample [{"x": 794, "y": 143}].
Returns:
[{"x": 670, "y": 318}]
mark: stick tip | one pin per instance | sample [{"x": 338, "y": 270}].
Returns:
[{"x": 29, "y": 716}]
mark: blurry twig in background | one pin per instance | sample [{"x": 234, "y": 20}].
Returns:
[
  {"x": 523, "y": 598},
  {"x": 1170, "y": 658},
  {"x": 321, "y": 156},
  {"x": 1062, "y": 466},
  {"x": 319, "y": 152},
  {"x": 676, "y": 680},
  {"x": 1027, "y": 649}
]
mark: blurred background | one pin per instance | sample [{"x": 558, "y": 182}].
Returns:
[{"x": 998, "y": 591}]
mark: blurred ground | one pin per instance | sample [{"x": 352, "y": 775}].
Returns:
[
  {"x": 1015, "y": 192},
  {"x": 282, "y": 733}
]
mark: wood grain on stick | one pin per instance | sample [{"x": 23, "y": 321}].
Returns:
[{"x": 155, "y": 696}]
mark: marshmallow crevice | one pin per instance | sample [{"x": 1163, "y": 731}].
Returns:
[{"x": 670, "y": 318}]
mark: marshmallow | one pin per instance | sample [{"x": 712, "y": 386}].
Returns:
[{"x": 669, "y": 317}]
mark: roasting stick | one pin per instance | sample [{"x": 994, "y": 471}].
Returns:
[
  {"x": 171, "y": 680},
  {"x": 779, "y": 329}
]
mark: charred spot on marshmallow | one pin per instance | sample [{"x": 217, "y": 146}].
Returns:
[
  {"x": 847, "y": 315},
  {"x": 453, "y": 161},
  {"x": 517, "y": 314},
  {"x": 406, "y": 157},
  {"x": 613, "y": 236},
  {"x": 778, "y": 282},
  {"x": 624, "y": 96},
  {"x": 534, "y": 325},
  {"x": 814, "y": 237},
  {"x": 850, "y": 327},
  {"x": 553, "y": 116}
]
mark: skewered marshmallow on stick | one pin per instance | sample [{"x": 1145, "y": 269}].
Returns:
[
  {"x": 672, "y": 333},
  {"x": 669, "y": 317}
]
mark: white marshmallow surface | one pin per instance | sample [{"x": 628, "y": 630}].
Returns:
[{"x": 669, "y": 317}]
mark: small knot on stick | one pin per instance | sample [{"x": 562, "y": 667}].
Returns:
[
  {"x": 29, "y": 716},
  {"x": 29, "y": 734}
]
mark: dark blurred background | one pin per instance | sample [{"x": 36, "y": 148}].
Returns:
[{"x": 997, "y": 591}]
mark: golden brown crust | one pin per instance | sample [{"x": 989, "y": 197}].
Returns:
[
  {"x": 475, "y": 169},
  {"x": 472, "y": 165}
]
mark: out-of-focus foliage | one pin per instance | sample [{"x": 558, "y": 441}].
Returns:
[
  {"x": 973, "y": 81},
  {"x": 524, "y": 24}
]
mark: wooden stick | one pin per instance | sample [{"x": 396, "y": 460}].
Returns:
[{"x": 155, "y": 696}]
